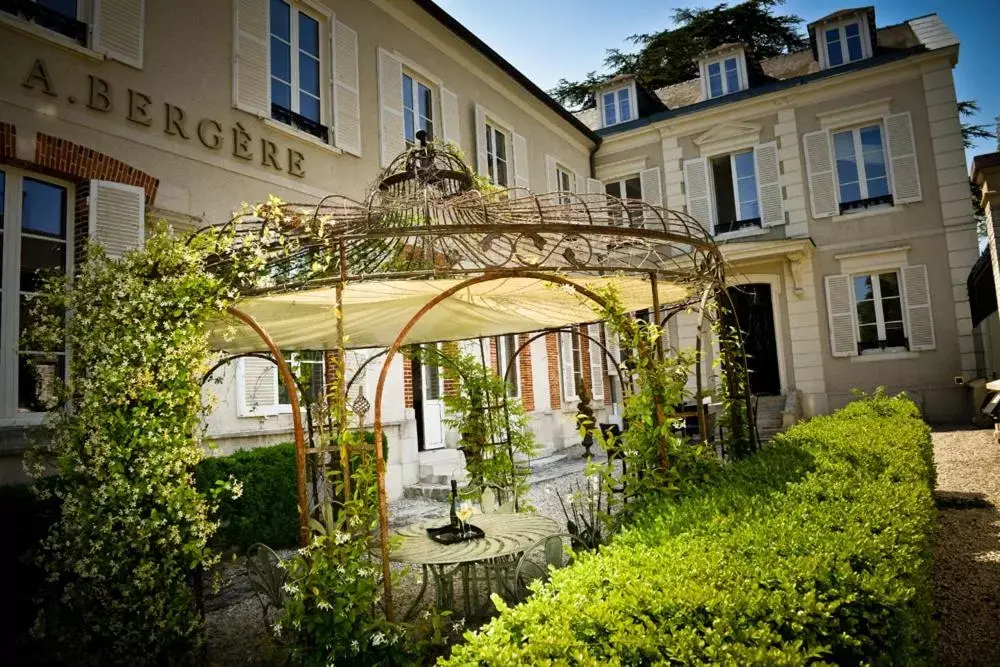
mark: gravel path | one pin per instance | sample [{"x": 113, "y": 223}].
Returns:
[{"x": 967, "y": 547}]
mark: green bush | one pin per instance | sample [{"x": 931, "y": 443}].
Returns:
[
  {"x": 266, "y": 511},
  {"x": 815, "y": 550}
]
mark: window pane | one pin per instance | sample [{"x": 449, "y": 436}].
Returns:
[
  {"x": 309, "y": 74},
  {"x": 614, "y": 189},
  {"x": 633, "y": 188},
  {"x": 610, "y": 116},
  {"x": 36, "y": 383},
  {"x": 40, "y": 255},
  {"x": 847, "y": 167},
  {"x": 866, "y": 312},
  {"x": 892, "y": 310},
  {"x": 281, "y": 60},
  {"x": 64, "y": 7},
  {"x": 894, "y": 332},
  {"x": 888, "y": 284},
  {"x": 732, "y": 76},
  {"x": 869, "y": 333},
  {"x": 624, "y": 104},
  {"x": 722, "y": 181},
  {"x": 309, "y": 106},
  {"x": 863, "y": 288},
  {"x": 501, "y": 144},
  {"x": 308, "y": 35},
  {"x": 426, "y": 104},
  {"x": 281, "y": 94},
  {"x": 280, "y": 23},
  {"x": 714, "y": 80},
  {"x": 43, "y": 209},
  {"x": 833, "y": 47},
  {"x": 407, "y": 92},
  {"x": 744, "y": 164},
  {"x": 854, "y": 50}
]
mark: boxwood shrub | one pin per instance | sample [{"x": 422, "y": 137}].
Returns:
[{"x": 816, "y": 550}]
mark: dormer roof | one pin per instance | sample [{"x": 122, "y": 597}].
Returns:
[{"x": 721, "y": 50}]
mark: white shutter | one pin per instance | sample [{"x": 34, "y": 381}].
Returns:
[
  {"x": 595, "y": 187},
  {"x": 840, "y": 309},
  {"x": 652, "y": 194},
  {"x": 256, "y": 386},
  {"x": 579, "y": 183},
  {"x": 346, "y": 89},
  {"x": 118, "y": 30},
  {"x": 566, "y": 365},
  {"x": 390, "y": 96},
  {"x": 611, "y": 341},
  {"x": 919, "y": 316},
  {"x": 903, "y": 159},
  {"x": 596, "y": 367},
  {"x": 551, "y": 179},
  {"x": 769, "y": 184},
  {"x": 250, "y": 78},
  {"x": 450, "y": 118},
  {"x": 819, "y": 171},
  {"x": 522, "y": 176},
  {"x": 697, "y": 191},
  {"x": 481, "y": 157},
  {"x": 116, "y": 217}
]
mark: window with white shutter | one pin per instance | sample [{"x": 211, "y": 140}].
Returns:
[
  {"x": 250, "y": 49},
  {"x": 506, "y": 349},
  {"x": 652, "y": 193},
  {"x": 629, "y": 191},
  {"x": 346, "y": 90},
  {"x": 116, "y": 216},
  {"x": 596, "y": 356},
  {"x": 481, "y": 159},
  {"x": 903, "y": 159},
  {"x": 919, "y": 316},
  {"x": 256, "y": 387},
  {"x": 570, "y": 365},
  {"x": 819, "y": 172},
  {"x": 450, "y": 115},
  {"x": 772, "y": 211},
  {"x": 36, "y": 235},
  {"x": 551, "y": 174},
  {"x": 296, "y": 67},
  {"x": 522, "y": 173},
  {"x": 493, "y": 149},
  {"x": 390, "y": 95},
  {"x": 118, "y": 29},
  {"x": 697, "y": 191},
  {"x": 840, "y": 311}
]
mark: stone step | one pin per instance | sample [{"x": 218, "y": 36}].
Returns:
[{"x": 428, "y": 491}]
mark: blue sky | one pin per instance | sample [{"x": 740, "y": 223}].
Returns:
[{"x": 553, "y": 39}]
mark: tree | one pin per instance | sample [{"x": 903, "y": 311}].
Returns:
[
  {"x": 971, "y": 132},
  {"x": 666, "y": 57}
]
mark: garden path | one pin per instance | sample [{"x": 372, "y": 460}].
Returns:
[{"x": 967, "y": 547}]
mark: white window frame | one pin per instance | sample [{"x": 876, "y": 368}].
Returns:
[
  {"x": 565, "y": 177},
  {"x": 435, "y": 117},
  {"x": 295, "y": 365},
  {"x": 493, "y": 129},
  {"x": 736, "y": 191},
  {"x": 295, "y": 9},
  {"x": 10, "y": 301},
  {"x": 873, "y": 275},
  {"x": 741, "y": 75},
  {"x": 425, "y": 377},
  {"x": 577, "y": 365},
  {"x": 859, "y": 162},
  {"x": 504, "y": 355},
  {"x": 841, "y": 27},
  {"x": 629, "y": 91},
  {"x": 633, "y": 214}
]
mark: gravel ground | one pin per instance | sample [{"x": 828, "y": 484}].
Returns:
[{"x": 967, "y": 547}]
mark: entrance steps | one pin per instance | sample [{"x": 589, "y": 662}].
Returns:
[
  {"x": 776, "y": 414},
  {"x": 438, "y": 487}
]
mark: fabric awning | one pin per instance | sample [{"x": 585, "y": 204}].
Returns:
[{"x": 376, "y": 311}]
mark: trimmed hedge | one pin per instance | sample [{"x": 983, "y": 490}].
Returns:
[{"x": 815, "y": 550}]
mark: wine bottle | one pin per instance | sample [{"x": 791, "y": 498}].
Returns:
[{"x": 454, "y": 498}]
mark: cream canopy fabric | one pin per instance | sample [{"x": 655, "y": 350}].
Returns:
[{"x": 376, "y": 311}]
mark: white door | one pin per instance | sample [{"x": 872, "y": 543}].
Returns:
[{"x": 433, "y": 407}]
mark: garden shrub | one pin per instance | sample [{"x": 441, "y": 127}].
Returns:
[{"x": 815, "y": 550}]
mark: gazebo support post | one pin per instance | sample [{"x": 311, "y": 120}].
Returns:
[
  {"x": 658, "y": 356},
  {"x": 699, "y": 382},
  {"x": 293, "y": 398},
  {"x": 345, "y": 461},
  {"x": 383, "y": 502}
]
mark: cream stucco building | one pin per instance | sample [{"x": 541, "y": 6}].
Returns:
[{"x": 834, "y": 177}]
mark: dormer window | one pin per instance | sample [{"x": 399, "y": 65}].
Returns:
[
  {"x": 723, "y": 77},
  {"x": 843, "y": 37},
  {"x": 843, "y": 43},
  {"x": 617, "y": 106},
  {"x": 723, "y": 71}
]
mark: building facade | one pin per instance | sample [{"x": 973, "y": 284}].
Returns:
[{"x": 115, "y": 113}]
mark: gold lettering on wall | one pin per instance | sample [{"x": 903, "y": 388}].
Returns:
[
  {"x": 99, "y": 99},
  {"x": 210, "y": 132},
  {"x": 213, "y": 140},
  {"x": 138, "y": 108},
  {"x": 39, "y": 73}
]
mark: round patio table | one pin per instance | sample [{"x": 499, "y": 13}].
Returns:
[{"x": 507, "y": 537}]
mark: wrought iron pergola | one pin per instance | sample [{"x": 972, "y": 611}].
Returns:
[{"x": 430, "y": 225}]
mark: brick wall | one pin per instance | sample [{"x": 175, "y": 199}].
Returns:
[
  {"x": 407, "y": 383},
  {"x": 8, "y": 142},
  {"x": 606, "y": 365},
  {"x": 79, "y": 163},
  {"x": 527, "y": 384},
  {"x": 451, "y": 385},
  {"x": 555, "y": 384}
]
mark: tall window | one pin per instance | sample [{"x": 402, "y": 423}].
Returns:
[
  {"x": 617, "y": 106},
  {"x": 34, "y": 241},
  {"x": 629, "y": 189},
  {"x": 496, "y": 155},
  {"x": 433, "y": 379},
  {"x": 565, "y": 182},
  {"x": 308, "y": 367},
  {"x": 506, "y": 348},
  {"x": 879, "y": 311},
  {"x": 723, "y": 77},
  {"x": 734, "y": 180},
  {"x": 862, "y": 179},
  {"x": 418, "y": 109},
  {"x": 843, "y": 43},
  {"x": 295, "y": 68},
  {"x": 61, "y": 16},
  {"x": 569, "y": 353}
]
